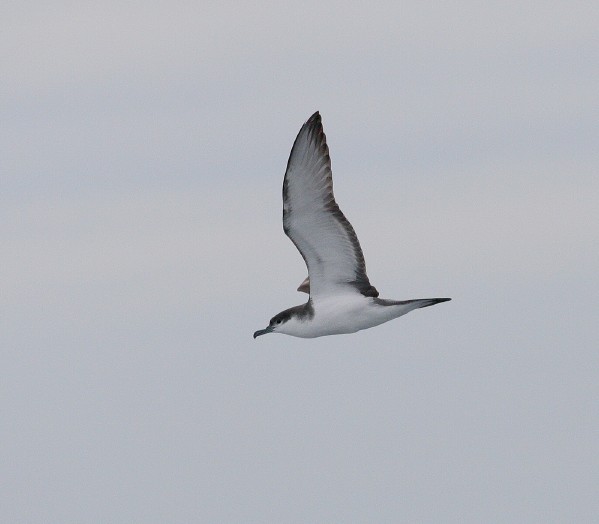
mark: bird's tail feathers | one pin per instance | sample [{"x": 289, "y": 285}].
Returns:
[
  {"x": 425, "y": 302},
  {"x": 414, "y": 303}
]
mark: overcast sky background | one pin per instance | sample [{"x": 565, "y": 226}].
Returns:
[{"x": 142, "y": 153}]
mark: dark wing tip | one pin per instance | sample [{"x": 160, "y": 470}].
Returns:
[
  {"x": 315, "y": 132},
  {"x": 314, "y": 118},
  {"x": 314, "y": 125}
]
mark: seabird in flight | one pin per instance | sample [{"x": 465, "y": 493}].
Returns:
[{"x": 342, "y": 300}]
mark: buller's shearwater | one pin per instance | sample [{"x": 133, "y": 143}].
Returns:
[{"x": 342, "y": 300}]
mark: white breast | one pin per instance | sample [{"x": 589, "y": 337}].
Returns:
[{"x": 340, "y": 314}]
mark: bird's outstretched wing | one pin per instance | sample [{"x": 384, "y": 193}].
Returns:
[{"x": 315, "y": 224}]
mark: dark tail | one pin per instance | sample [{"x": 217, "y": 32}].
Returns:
[
  {"x": 417, "y": 303},
  {"x": 429, "y": 301}
]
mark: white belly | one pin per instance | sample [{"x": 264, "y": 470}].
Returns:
[{"x": 341, "y": 314}]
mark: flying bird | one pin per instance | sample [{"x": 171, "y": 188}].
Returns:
[{"x": 342, "y": 300}]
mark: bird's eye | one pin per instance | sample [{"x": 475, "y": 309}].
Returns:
[{"x": 279, "y": 321}]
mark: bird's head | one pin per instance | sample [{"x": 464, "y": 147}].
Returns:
[{"x": 276, "y": 324}]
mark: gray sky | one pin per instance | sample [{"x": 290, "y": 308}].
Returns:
[{"x": 142, "y": 150}]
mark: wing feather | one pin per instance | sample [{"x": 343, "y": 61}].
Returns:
[{"x": 315, "y": 224}]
